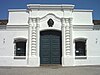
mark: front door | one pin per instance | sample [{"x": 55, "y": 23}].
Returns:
[{"x": 50, "y": 47}]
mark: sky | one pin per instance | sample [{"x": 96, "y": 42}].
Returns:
[{"x": 22, "y": 4}]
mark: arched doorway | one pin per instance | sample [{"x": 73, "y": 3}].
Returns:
[{"x": 50, "y": 47}]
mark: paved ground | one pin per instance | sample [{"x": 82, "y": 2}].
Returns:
[{"x": 51, "y": 70}]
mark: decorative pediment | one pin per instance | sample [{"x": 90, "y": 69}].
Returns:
[{"x": 50, "y": 16}]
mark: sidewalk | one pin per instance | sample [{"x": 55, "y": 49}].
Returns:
[{"x": 51, "y": 70}]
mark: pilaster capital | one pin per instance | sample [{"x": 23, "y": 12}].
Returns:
[
  {"x": 37, "y": 22},
  {"x": 67, "y": 20},
  {"x": 63, "y": 21},
  {"x": 30, "y": 21},
  {"x": 70, "y": 20},
  {"x": 34, "y": 20}
]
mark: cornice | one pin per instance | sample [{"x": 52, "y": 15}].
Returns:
[
  {"x": 83, "y": 27},
  {"x": 17, "y": 25},
  {"x": 14, "y": 27},
  {"x": 82, "y": 10},
  {"x": 50, "y": 6},
  {"x": 17, "y": 10}
]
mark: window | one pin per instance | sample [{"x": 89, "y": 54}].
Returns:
[
  {"x": 20, "y": 47},
  {"x": 80, "y": 47}
]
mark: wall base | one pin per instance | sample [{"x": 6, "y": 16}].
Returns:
[
  {"x": 34, "y": 61},
  {"x": 67, "y": 61}
]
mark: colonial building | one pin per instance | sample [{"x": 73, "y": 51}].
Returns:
[{"x": 49, "y": 34}]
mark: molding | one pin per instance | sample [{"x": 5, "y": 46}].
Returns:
[
  {"x": 43, "y": 29},
  {"x": 80, "y": 27},
  {"x": 52, "y": 6},
  {"x": 3, "y": 27},
  {"x": 20, "y": 57},
  {"x": 17, "y": 10},
  {"x": 82, "y": 24},
  {"x": 81, "y": 38},
  {"x": 81, "y": 57},
  {"x": 82, "y": 10},
  {"x": 96, "y": 27},
  {"x": 14, "y": 26},
  {"x": 50, "y": 15},
  {"x": 17, "y": 24}
]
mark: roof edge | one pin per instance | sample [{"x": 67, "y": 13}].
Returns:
[
  {"x": 50, "y": 6},
  {"x": 82, "y": 10},
  {"x": 18, "y": 10}
]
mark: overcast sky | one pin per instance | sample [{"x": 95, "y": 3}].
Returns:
[{"x": 22, "y": 4}]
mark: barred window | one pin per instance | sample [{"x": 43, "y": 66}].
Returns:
[
  {"x": 20, "y": 47},
  {"x": 80, "y": 47}
]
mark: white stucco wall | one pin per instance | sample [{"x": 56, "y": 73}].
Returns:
[
  {"x": 7, "y": 47},
  {"x": 82, "y": 17},
  {"x": 92, "y": 47},
  {"x": 21, "y": 16},
  {"x": 18, "y": 17}
]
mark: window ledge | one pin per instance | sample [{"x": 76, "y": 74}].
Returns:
[
  {"x": 19, "y": 57},
  {"x": 80, "y": 57}
]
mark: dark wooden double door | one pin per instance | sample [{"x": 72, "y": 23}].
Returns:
[{"x": 50, "y": 47}]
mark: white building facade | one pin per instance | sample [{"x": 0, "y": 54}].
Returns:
[{"x": 49, "y": 34}]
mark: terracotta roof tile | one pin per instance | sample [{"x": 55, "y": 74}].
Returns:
[
  {"x": 96, "y": 22},
  {"x": 3, "y": 22}
]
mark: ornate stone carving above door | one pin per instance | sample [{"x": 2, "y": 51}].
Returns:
[{"x": 50, "y": 22}]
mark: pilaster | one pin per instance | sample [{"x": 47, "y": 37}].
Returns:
[
  {"x": 33, "y": 38},
  {"x": 29, "y": 35},
  {"x": 63, "y": 37},
  {"x": 37, "y": 36},
  {"x": 67, "y": 58},
  {"x": 68, "y": 37},
  {"x": 34, "y": 60},
  {"x": 63, "y": 41},
  {"x": 71, "y": 36}
]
